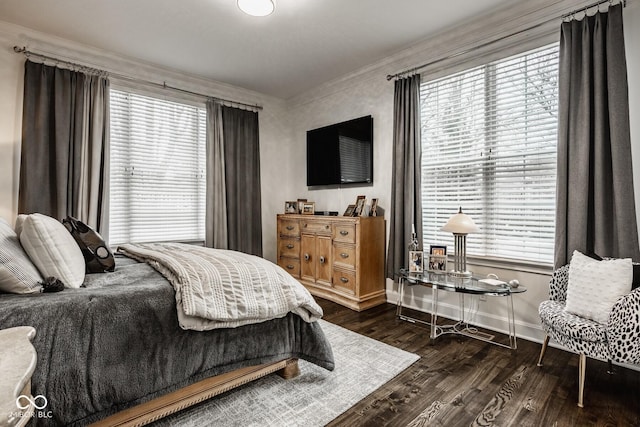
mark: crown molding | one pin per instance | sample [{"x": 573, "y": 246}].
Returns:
[
  {"x": 467, "y": 35},
  {"x": 111, "y": 62}
]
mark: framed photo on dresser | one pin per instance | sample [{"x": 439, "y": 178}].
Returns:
[
  {"x": 349, "y": 211},
  {"x": 374, "y": 207},
  {"x": 308, "y": 208},
  {"x": 360, "y": 201},
  {"x": 300, "y": 203},
  {"x": 291, "y": 207}
]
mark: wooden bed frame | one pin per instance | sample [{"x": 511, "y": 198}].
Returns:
[{"x": 178, "y": 400}]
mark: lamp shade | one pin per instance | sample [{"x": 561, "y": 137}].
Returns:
[
  {"x": 460, "y": 223},
  {"x": 257, "y": 7}
]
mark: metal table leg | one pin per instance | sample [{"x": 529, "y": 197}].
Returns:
[
  {"x": 512, "y": 324},
  {"x": 434, "y": 312},
  {"x": 401, "y": 296}
]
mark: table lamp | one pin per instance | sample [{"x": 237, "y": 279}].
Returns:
[{"x": 460, "y": 225}]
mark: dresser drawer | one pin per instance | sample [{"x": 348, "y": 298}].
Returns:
[
  {"x": 291, "y": 265},
  {"x": 344, "y": 281},
  {"x": 289, "y": 247},
  {"x": 288, "y": 228},
  {"x": 344, "y": 255},
  {"x": 344, "y": 233},
  {"x": 317, "y": 227}
]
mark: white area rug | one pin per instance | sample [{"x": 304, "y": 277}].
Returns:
[{"x": 314, "y": 398}]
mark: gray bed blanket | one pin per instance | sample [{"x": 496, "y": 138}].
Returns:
[
  {"x": 117, "y": 343},
  {"x": 219, "y": 288}
]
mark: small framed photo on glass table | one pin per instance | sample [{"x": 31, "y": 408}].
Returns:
[
  {"x": 416, "y": 259},
  {"x": 437, "y": 250},
  {"x": 438, "y": 263}
]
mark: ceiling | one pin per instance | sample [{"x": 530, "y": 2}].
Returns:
[{"x": 304, "y": 43}]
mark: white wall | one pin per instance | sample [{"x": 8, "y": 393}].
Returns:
[
  {"x": 368, "y": 92},
  {"x": 275, "y": 133}
]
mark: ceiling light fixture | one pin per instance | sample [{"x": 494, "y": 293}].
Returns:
[{"x": 257, "y": 7}]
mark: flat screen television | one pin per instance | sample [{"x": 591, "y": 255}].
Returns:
[{"x": 341, "y": 154}]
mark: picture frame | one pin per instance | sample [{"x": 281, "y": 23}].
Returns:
[
  {"x": 291, "y": 207},
  {"x": 308, "y": 208},
  {"x": 416, "y": 260},
  {"x": 438, "y": 250},
  {"x": 300, "y": 202},
  {"x": 349, "y": 211},
  {"x": 438, "y": 263},
  {"x": 374, "y": 207},
  {"x": 360, "y": 201}
]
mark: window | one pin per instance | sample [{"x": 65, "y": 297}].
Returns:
[
  {"x": 157, "y": 170},
  {"x": 489, "y": 146}
]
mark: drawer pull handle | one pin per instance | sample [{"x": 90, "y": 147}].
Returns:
[
  {"x": 344, "y": 280},
  {"x": 344, "y": 233},
  {"x": 307, "y": 257},
  {"x": 344, "y": 255},
  {"x": 326, "y": 226},
  {"x": 289, "y": 246},
  {"x": 290, "y": 227},
  {"x": 322, "y": 260},
  {"x": 305, "y": 225},
  {"x": 290, "y": 267}
]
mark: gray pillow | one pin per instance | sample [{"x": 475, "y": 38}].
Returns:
[{"x": 18, "y": 275}]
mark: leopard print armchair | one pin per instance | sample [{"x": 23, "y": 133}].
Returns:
[{"x": 617, "y": 341}]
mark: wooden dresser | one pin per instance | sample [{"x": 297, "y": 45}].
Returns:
[{"x": 337, "y": 258}]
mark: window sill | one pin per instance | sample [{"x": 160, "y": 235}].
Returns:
[{"x": 508, "y": 264}]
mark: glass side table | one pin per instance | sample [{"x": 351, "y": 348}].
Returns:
[{"x": 443, "y": 281}]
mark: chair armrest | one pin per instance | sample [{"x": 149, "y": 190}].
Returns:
[
  {"x": 558, "y": 284},
  {"x": 623, "y": 329}
]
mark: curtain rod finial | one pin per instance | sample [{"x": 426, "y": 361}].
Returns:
[{"x": 18, "y": 49}]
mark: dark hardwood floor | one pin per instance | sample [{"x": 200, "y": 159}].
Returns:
[{"x": 460, "y": 381}]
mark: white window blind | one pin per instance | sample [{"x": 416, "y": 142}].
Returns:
[
  {"x": 489, "y": 146},
  {"x": 157, "y": 170}
]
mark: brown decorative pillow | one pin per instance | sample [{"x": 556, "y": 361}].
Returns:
[{"x": 97, "y": 255}]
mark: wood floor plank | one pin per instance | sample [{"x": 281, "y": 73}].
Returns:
[{"x": 460, "y": 381}]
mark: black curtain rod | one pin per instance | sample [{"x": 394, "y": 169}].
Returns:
[
  {"x": 162, "y": 85},
  {"x": 586, "y": 8},
  {"x": 563, "y": 17}
]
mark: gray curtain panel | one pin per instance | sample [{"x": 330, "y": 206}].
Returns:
[
  {"x": 595, "y": 202},
  {"x": 64, "y": 165},
  {"x": 242, "y": 180},
  {"x": 216, "y": 205},
  {"x": 406, "y": 202}
]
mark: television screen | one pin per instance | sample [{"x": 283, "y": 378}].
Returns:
[{"x": 341, "y": 153}]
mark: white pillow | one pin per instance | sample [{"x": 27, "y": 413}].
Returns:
[
  {"x": 19, "y": 220},
  {"x": 595, "y": 286},
  {"x": 52, "y": 249},
  {"x": 18, "y": 275}
]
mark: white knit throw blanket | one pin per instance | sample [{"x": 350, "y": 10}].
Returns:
[{"x": 218, "y": 288}]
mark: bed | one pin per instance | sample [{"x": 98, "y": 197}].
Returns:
[{"x": 114, "y": 346}]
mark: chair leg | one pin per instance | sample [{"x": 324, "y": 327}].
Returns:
[
  {"x": 581, "y": 374},
  {"x": 543, "y": 349}
]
